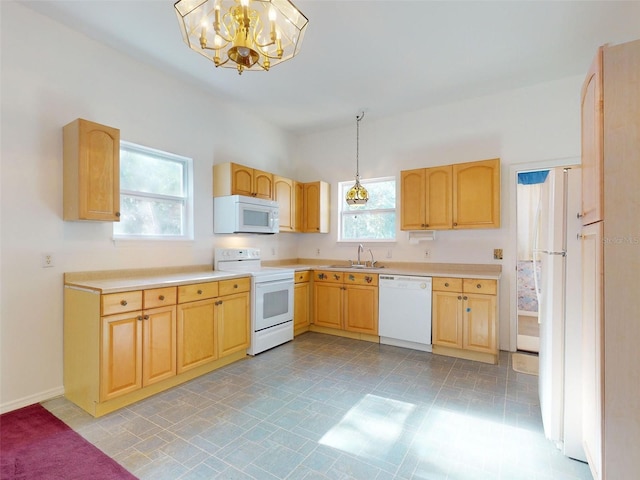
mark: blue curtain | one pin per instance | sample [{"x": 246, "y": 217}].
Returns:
[{"x": 532, "y": 178}]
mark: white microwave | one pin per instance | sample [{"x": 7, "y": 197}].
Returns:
[{"x": 241, "y": 214}]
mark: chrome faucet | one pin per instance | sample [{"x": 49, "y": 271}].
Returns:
[
  {"x": 360, "y": 249},
  {"x": 373, "y": 262}
]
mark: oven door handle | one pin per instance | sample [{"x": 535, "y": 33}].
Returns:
[{"x": 273, "y": 283}]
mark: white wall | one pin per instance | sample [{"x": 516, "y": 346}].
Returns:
[
  {"x": 53, "y": 75},
  {"x": 531, "y": 125}
]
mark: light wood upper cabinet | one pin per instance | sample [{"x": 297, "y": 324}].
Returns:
[
  {"x": 592, "y": 143},
  {"x": 298, "y": 224},
  {"x": 284, "y": 194},
  {"x": 426, "y": 198},
  {"x": 476, "y": 194},
  {"x": 465, "y": 195},
  {"x": 91, "y": 172},
  {"x": 234, "y": 179},
  {"x": 316, "y": 207}
]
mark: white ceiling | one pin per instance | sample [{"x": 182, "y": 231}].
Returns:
[{"x": 383, "y": 57}]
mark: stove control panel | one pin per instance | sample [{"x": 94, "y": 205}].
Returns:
[{"x": 227, "y": 254}]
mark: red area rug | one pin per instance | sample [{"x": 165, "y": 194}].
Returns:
[{"x": 35, "y": 445}]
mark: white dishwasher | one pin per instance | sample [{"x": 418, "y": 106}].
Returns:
[{"x": 404, "y": 311}]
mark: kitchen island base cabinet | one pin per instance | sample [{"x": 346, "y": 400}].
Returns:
[
  {"x": 117, "y": 352},
  {"x": 464, "y": 323}
]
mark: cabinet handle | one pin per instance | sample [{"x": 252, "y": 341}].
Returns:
[
  {"x": 139, "y": 318},
  {"x": 146, "y": 317},
  {"x": 336, "y": 276},
  {"x": 123, "y": 303},
  {"x": 426, "y": 225},
  {"x": 161, "y": 297},
  {"x": 465, "y": 298},
  {"x": 579, "y": 215},
  {"x": 459, "y": 297},
  {"x": 446, "y": 284},
  {"x": 199, "y": 292},
  {"x": 479, "y": 285},
  {"x": 235, "y": 285},
  {"x": 455, "y": 224},
  {"x": 118, "y": 214}
]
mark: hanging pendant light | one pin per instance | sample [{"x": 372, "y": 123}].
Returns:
[{"x": 357, "y": 195}]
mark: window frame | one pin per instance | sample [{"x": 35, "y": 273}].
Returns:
[
  {"x": 186, "y": 199},
  {"x": 342, "y": 212}
]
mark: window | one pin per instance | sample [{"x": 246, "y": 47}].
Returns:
[
  {"x": 373, "y": 221},
  {"x": 155, "y": 194}
]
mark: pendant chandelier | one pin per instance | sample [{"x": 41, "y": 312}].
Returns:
[
  {"x": 357, "y": 195},
  {"x": 242, "y": 34}
]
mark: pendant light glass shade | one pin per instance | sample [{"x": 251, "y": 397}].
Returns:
[{"x": 357, "y": 195}]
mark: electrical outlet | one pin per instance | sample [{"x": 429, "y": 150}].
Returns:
[
  {"x": 427, "y": 253},
  {"x": 389, "y": 253},
  {"x": 273, "y": 251},
  {"x": 317, "y": 252},
  {"x": 47, "y": 260},
  {"x": 497, "y": 254}
]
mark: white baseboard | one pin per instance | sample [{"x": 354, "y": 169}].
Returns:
[{"x": 31, "y": 399}]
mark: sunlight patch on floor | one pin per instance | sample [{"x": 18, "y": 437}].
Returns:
[{"x": 371, "y": 427}]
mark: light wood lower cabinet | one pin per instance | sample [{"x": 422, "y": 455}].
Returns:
[
  {"x": 464, "y": 322},
  {"x": 122, "y": 347},
  {"x": 346, "y": 301},
  {"x": 301, "y": 301}
]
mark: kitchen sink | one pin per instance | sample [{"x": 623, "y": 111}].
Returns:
[{"x": 357, "y": 267}]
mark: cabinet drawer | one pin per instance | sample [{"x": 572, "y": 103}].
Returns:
[
  {"x": 474, "y": 285},
  {"x": 237, "y": 285},
  {"x": 197, "y": 291},
  {"x": 446, "y": 284},
  {"x": 329, "y": 276},
  {"x": 121, "y": 302},
  {"x": 160, "y": 297},
  {"x": 361, "y": 278},
  {"x": 303, "y": 276}
]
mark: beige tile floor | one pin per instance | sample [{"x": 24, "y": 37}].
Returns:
[{"x": 324, "y": 407}]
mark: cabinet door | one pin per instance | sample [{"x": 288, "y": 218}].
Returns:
[
  {"x": 412, "y": 199},
  {"x": 158, "y": 344},
  {"x": 316, "y": 207},
  {"x": 447, "y": 319},
  {"x": 298, "y": 224},
  {"x": 479, "y": 323},
  {"x": 241, "y": 180},
  {"x": 285, "y": 196},
  {"x": 476, "y": 194},
  {"x": 197, "y": 337},
  {"x": 233, "y": 323},
  {"x": 327, "y": 305},
  {"x": 361, "y": 309},
  {"x": 439, "y": 213},
  {"x": 262, "y": 184},
  {"x": 120, "y": 355},
  {"x": 592, "y": 143},
  {"x": 301, "y": 293},
  {"x": 592, "y": 316},
  {"x": 91, "y": 172}
]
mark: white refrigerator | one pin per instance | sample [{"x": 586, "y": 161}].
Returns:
[{"x": 557, "y": 249}]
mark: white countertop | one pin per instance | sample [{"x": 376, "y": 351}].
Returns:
[{"x": 121, "y": 281}]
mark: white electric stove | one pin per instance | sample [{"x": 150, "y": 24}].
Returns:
[{"x": 271, "y": 296}]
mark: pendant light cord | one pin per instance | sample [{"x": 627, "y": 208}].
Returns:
[{"x": 358, "y": 118}]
